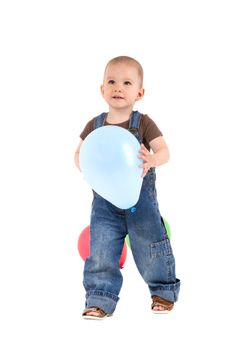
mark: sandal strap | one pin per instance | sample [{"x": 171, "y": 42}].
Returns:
[
  {"x": 157, "y": 301},
  {"x": 100, "y": 311}
]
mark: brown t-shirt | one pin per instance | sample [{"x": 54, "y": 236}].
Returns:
[{"x": 148, "y": 130}]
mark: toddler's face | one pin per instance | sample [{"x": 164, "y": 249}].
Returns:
[{"x": 121, "y": 86}]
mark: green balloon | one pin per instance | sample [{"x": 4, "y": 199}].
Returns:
[
  {"x": 167, "y": 227},
  {"x": 128, "y": 241}
]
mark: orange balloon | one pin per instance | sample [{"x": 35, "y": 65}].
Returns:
[{"x": 84, "y": 246}]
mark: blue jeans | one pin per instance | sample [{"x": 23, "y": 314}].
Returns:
[{"x": 150, "y": 247}]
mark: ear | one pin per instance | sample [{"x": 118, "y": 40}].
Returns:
[
  {"x": 141, "y": 93},
  {"x": 102, "y": 90}
]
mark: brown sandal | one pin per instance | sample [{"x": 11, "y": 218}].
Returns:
[
  {"x": 166, "y": 304},
  {"x": 100, "y": 314}
]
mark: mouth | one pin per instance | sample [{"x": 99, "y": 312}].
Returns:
[{"x": 118, "y": 98}]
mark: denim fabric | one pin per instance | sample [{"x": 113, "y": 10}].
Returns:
[{"x": 150, "y": 247}]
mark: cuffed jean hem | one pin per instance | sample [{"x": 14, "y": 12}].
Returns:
[
  {"x": 169, "y": 292},
  {"x": 104, "y": 300}
]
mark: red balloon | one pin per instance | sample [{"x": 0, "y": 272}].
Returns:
[
  {"x": 123, "y": 256},
  {"x": 84, "y": 246},
  {"x": 84, "y": 243}
]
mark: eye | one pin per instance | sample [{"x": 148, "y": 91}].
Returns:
[
  {"x": 127, "y": 82},
  {"x": 111, "y": 82}
]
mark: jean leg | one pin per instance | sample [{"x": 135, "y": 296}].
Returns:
[
  {"x": 150, "y": 245},
  {"x": 102, "y": 275}
]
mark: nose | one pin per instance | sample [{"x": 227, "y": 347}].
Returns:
[{"x": 118, "y": 87}]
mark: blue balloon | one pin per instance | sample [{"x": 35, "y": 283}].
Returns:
[{"x": 108, "y": 160}]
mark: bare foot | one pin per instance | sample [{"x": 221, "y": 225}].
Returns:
[
  {"x": 161, "y": 305},
  {"x": 159, "y": 308},
  {"x": 94, "y": 312}
]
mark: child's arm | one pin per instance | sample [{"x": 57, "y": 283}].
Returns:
[
  {"x": 76, "y": 155},
  {"x": 159, "y": 156}
]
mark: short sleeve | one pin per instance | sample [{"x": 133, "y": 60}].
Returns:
[
  {"x": 148, "y": 129},
  {"x": 88, "y": 129}
]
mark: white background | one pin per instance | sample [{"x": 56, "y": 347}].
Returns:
[{"x": 53, "y": 54}]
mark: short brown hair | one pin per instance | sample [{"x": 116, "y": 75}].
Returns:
[{"x": 130, "y": 61}]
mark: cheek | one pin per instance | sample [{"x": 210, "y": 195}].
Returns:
[
  {"x": 105, "y": 91},
  {"x": 106, "y": 94}
]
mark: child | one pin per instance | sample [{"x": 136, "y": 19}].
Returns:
[{"x": 151, "y": 249}]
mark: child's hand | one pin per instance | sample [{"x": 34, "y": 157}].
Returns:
[{"x": 147, "y": 158}]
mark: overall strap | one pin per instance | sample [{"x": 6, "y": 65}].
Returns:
[
  {"x": 134, "y": 124},
  {"x": 99, "y": 120}
]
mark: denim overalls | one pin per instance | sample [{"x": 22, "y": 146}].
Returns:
[{"x": 150, "y": 245}]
